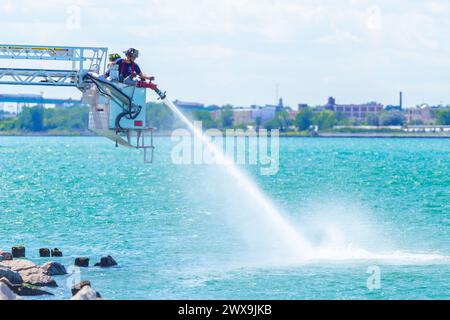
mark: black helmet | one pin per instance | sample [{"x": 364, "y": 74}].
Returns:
[{"x": 134, "y": 53}]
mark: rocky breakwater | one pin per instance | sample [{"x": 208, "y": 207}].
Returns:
[
  {"x": 6, "y": 293},
  {"x": 25, "y": 278},
  {"x": 31, "y": 273}
]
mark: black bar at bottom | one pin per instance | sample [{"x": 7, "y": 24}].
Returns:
[{"x": 197, "y": 310}]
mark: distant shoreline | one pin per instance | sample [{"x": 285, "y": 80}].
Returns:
[
  {"x": 384, "y": 135},
  {"x": 282, "y": 135}
]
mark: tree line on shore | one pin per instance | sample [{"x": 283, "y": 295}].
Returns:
[{"x": 75, "y": 119}]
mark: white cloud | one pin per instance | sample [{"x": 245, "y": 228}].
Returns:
[
  {"x": 250, "y": 41},
  {"x": 7, "y": 7},
  {"x": 215, "y": 52}
]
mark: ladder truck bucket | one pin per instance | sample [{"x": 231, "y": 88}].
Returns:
[{"x": 117, "y": 112}]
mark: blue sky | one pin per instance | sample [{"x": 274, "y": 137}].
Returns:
[{"x": 236, "y": 51}]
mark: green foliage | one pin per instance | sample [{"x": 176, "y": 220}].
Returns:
[
  {"x": 443, "y": 117},
  {"x": 32, "y": 119},
  {"x": 70, "y": 119},
  {"x": 225, "y": 120},
  {"x": 417, "y": 122},
  {"x": 392, "y": 118},
  {"x": 271, "y": 124},
  {"x": 325, "y": 119},
  {"x": 240, "y": 126},
  {"x": 373, "y": 120},
  {"x": 205, "y": 117},
  {"x": 159, "y": 116},
  {"x": 284, "y": 120},
  {"x": 281, "y": 121},
  {"x": 8, "y": 124},
  {"x": 258, "y": 122},
  {"x": 304, "y": 119},
  {"x": 39, "y": 119}
]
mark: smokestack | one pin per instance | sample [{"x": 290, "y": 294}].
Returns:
[{"x": 401, "y": 100}]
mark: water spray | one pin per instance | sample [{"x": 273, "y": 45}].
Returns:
[{"x": 293, "y": 244}]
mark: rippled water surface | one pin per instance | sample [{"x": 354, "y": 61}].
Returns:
[{"x": 179, "y": 232}]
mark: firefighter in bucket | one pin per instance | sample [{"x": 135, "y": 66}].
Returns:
[{"x": 129, "y": 72}]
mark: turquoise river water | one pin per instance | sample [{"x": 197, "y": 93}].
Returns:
[{"x": 180, "y": 232}]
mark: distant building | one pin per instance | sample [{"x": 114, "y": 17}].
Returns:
[
  {"x": 331, "y": 101},
  {"x": 292, "y": 114},
  {"x": 263, "y": 114},
  {"x": 280, "y": 106},
  {"x": 421, "y": 114},
  {"x": 357, "y": 111},
  {"x": 242, "y": 116},
  {"x": 254, "y": 115}
]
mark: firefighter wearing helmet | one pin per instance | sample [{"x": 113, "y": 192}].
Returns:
[{"x": 129, "y": 70}]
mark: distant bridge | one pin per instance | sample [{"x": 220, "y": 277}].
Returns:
[{"x": 36, "y": 99}]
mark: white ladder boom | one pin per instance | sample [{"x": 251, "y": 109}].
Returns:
[
  {"x": 84, "y": 59},
  {"x": 62, "y": 78}
]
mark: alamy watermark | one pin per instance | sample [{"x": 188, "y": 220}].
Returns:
[
  {"x": 241, "y": 147},
  {"x": 73, "y": 21},
  {"x": 74, "y": 277},
  {"x": 374, "y": 280}
]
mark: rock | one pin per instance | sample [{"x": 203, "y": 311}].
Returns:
[
  {"x": 24, "y": 290},
  {"x": 6, "y": 293},
  {"x": 86, "y": 293},
  {"x": 5, "y": 256},
  {"x": 18, "y": 252},
  {"x": 57, "y": 253},
  {"x": 30, "y": 291},
  {"x": 54, "y": 269},
  {"x": 106, "y": 262},
  {"x": 11, "y": 276},
  {"x": 82, "y": 262},
  {"x": 37, "y": 277},
  {"x": 76, "y": 288},
  {"x": 44, "y": 253},
  {"x": 19, "y": 265},
  {"x": 31, "y": 273}
]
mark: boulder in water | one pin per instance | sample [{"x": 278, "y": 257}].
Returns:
[
  {"x": 6, "y": 293},
  {"x": 82, "y": 262},
  {"x": 37, "y": 277},
  {"x": 76, "y": 288},
  {"x": 5, "y": 256},
  {"x": 18, "y": 265},
  {"x": 30, "y": 291},
  {"x": 24, "y": 290},
  {"x": 54, "y": 269},
  {"x": 57, "y": 253},
  {"x": 31, "y": 273},
  {"x": 18, "y": 252},
  {"x": 86, "y": 293},
  {"x": 44, "y": 253},
  {"x": 11, "y": 276},
  {"x": 106, "y": 262}
]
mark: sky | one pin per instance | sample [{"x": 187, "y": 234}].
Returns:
[{"x": 240, "y": 51}]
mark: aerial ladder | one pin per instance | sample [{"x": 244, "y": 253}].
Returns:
[{"x": 117, "y": 110}]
